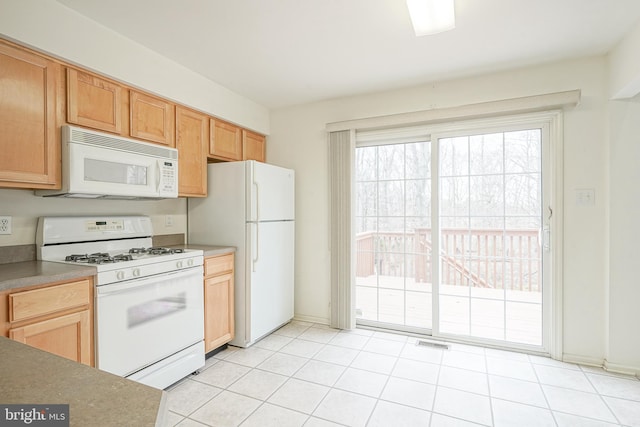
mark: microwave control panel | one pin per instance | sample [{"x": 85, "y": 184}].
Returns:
[{"x": 168, "y": 177}]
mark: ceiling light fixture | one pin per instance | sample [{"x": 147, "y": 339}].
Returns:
[{"x": 431, "y": 16}]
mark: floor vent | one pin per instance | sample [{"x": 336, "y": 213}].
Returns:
[{"x": 433, "y": 344}]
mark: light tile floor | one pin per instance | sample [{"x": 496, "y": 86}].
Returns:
[{"x": 309, "y": 375}]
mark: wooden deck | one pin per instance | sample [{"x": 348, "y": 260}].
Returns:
[{"x": 506, "y": 315}]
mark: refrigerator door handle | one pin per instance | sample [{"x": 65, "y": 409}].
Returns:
[
  {"x": 257, "y": 203},
  {"x": 254, "y": 250}
]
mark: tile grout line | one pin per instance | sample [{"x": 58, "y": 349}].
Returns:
[
  {"x": 363, "y": 349},
  {"x": 602, "y": 398},
  {"x": 385, "y": 383}
]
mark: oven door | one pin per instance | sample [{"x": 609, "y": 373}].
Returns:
[{"x": 140, "y": 322}]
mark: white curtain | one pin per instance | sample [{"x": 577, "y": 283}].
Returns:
[{"x": 341, "y": 152}]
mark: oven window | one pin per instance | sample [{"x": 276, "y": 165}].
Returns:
[
  {"x": 154, "y": 309},
  {"x": 119, "y": 173}
]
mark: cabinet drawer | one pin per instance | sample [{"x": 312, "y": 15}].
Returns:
[
  {"x": 38, "y": 302},
  {"x": 218, "y": 264}
]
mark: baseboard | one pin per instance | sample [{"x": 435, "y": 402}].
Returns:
[
  {"x": 621, "y": 369},
  {"x": 601, "y": 363},
  {"x": 311, "y": 319},
  {"x": 582, "y": 360}
]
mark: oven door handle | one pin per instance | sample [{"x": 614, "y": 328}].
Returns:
[{"x": 129, "y": 285}]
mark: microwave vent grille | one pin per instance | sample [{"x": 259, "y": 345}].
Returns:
[{"x": 116, "y": 143}]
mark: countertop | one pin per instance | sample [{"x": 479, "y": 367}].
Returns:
[
  {"x": 32, "y": 376},
  {"x": 29, "y": 273},
  {"x": 209, "y": 250}
]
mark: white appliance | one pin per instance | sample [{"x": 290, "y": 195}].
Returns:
[
  {"x": 99, "y": 165},
  {"x": 250, "y": 205},
  {"x": 149, "y": 303}
]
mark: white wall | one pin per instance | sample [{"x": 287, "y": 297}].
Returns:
[
  {"x": 624, "y": 229},
  {"x": 298, "y": 140},
  {"x": 25, "y": 208},
  {"x": 624, "y": 69},
  {"x": 57, "y": 30},
  {"x": 623, "y": 288}
]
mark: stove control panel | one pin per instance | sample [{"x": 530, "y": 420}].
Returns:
[{"x": 108, "y": 225}]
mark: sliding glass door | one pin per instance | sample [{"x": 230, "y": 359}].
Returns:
[{"x": 449, "y": 232}]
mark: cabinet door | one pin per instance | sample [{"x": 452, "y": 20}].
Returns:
[
  {"x": 94, "y": 102},
  {"x": 29, "y": 140},
  {"x": 192, "y": 132},
  {"x": 152, "y": 119},
  {"x": 253, "y": 146},
  {"x": 226, "y": 141},
  {"x": 218, "y": 311},
  {"x": 67, "y": 336}
]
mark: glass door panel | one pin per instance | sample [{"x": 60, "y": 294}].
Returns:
[
  {"x": 490, "y": 258},
  {"x": 393, "y": 236}
]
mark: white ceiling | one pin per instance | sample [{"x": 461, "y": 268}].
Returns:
[{"x": 286, "y": 52}]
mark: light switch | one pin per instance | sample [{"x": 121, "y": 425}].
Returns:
[{"x": 585, "y": 197}]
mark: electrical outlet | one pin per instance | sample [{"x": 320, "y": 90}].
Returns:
[
  {"x": 5, "y": 225},
  {"x": 168, "y": 221}
]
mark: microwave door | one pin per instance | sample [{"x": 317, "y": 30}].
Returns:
[{"x": 109, "y": 172}]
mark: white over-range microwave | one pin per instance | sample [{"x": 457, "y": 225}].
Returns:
[{"x": 99, "y": 165}]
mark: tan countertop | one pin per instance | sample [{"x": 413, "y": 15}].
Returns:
[
  {"x": 30, "y": 273},
  {"x": 32, "y": 376},
  {"x": 209, "y": 250}
]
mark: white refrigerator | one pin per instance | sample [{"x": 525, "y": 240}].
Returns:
[{"x": 250, "y": 205}]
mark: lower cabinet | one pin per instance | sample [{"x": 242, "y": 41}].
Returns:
[
  {"x": 218, "y": 301},
  {"x": 67, "y": 336},
  {"x": 56, "y": 319}
]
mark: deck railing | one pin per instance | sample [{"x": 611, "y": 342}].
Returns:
[{"x": 500, "y": 259}]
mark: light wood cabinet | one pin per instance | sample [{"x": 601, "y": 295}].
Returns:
[
  {"x": 56, "y": 318},
  {"x": 218, "y": 301},
  {"x": 192, "y": 135},
  {"x": 67, "y": 336},
  {"x": 225, "y": 142},
  {"x": 29, "y": 141},
  {"x": 152, "y": 119},
  {"x": 253, "y": 146},
  {"x": 38, "y": 94},
  {"x": 94, "y": 102}
]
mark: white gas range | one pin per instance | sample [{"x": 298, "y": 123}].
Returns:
[{"x": 149, "y": 320}]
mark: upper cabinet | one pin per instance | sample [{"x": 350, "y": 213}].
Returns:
[
  {"x": 29, "y": 140},
  {"x": 152, "y": 119},
  {"x": 192, "y": 137},
  {"x": 94, "y": 102},
  {"x": 225, "y": 142},
  {"x": 36, "y": 99},
  {"x": 253, "y": 146}
]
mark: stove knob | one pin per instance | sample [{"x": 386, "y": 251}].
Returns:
[
  {"x": 120, "y": 275},
  {"x": 190, "y": 262},
  {"x": 179, "y": 264},
  {"x": 136, "y": 272}
]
